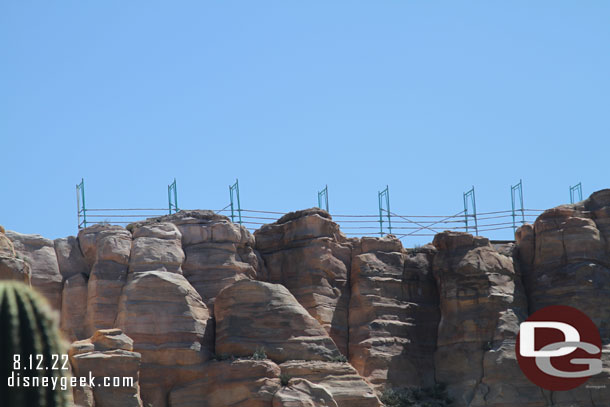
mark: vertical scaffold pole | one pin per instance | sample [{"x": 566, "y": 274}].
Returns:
[
  {"x": 576, "y": 189},
  {"x": 323, "y": 199},
  {"x": 81, "y": 209},
  {"x": 516, "y": 191},
  {"x": 469, "y": 195},
  {"x": 172, "y": 197},
  {"x": 384, "y": 196},
  {"x": 234, "y": 189}
]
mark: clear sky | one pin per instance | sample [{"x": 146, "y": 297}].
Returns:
[{"x": 428, "y": 97}]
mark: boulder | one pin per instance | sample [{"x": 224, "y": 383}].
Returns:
[
  {"x": 230, "y": 383},
  {"x": 341, "y": 380},
  {"x": 217, "y": 252},
  {"x": 253, "y": 314},
  {"x": 306, "y": 252},
  {"x": 168, "y": 323},
  {"x": 109, "y": 365},
  {"x": 69, "y": 257},
  {"x": 39, "y": 253},
  {"x": 6, "y": 246},
  {"x": 106, "y": 250},
  {"x": 13, "y": 268},
  {"x": 156, "y": 246},
  {"x": 303, "y": 393}
]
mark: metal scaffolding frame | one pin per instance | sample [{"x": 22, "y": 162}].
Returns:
[
  {"x": 172, "y": 192},
  {"x": 469, "y": 195},
  {"x": 516, "y": 191},
  {"x": 234, "y": 190},
  {"x": 323, "y": 199},
  {"x": 576, "y": 189},
  {"x": 81, "y": 210},
  {"x": 384, "y": 195}
]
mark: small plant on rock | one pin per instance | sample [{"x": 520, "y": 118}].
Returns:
[
  {"x": 284, "y": 379},
  {"x": 259, "y": 354},
  {"x": 341, "y": 358}
]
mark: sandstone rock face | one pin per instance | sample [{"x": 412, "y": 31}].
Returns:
[
  {"x": 482, "y": 303},
  {"x": 303, "y": 393},
  {"x": 238, "y": 383},
  {"x": 69, "y": 257},
  {"x": 39, "y": 253},
  {"x": 106, "y": 250},
  {"x": 217, "y": 253},
  {"x": 107, "y": 355},
  {"x": 11, "y": 267},
  {"x": 156, "y": 247},
  {"x": 570, "y": 264},
  {"x": 566, "y": 261},
  {"x": 252, "y": 314},
  {"x": 168, "y": 322},
  {"x": 6, "y": 246},
  {"x": 74, "y": 307},
  {"x": 393, "y": 314},
  {"x": 306, "y": 252},
  {"x": 341, "y": 380},
  {"x": 447, "y": 312}
]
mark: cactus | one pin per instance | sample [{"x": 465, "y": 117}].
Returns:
[{"x": 27, "y": 328}]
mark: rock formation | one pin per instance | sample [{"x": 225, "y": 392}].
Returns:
[
  {"x": 252, "y": 315},
  {"x": 106, "y": 250},
  {"x": 199, "y": 312},
  {"x": 303, "y": 393},
  {"x": 565, "y": 258},
  {"x": 107, "y": 355},
  {"x": 341, "y": 380},
  {"x": 167, "y": 321},
  {"x": 217, "y": 253},
  {"x": 39, "y": 254},
  {"x": 236, "y": 383},
  {"x": 393, "y": 313},
  {"x": 12, "y": 267},
  {"x": 482, "y": 303},
  {"x": 306, "y": 252}
]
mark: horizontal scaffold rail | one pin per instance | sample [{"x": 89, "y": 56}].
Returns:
[{"x": 352, "y": 225}]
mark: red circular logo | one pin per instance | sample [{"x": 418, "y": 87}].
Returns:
[{"x": 559, "y": 348}]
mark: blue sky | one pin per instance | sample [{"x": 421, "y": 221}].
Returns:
[{"x": 429, "y": 98}]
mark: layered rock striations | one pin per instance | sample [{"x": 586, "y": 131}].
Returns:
[
  {"x": 12, "y": 267},
  {"x": 482, "y": 303},
  {"x": 39, "y": 254},
  {"x": 107, "y": 355},
  {"x": 565, "y": 258},
  {"x": 199, "y": 312},
  {"x": 306, "y": 252},
  {"x": 252, "y": 315},
  {"x": 393, "y": 314}
]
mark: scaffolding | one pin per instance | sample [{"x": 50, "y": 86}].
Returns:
[
  {"x": 172, "y": 197},
  {"x": 81, "y": 210},
  {"x": 576, "y": 189},
  {"x": 469, "y": 196},
  {"x": 234, "y": 190},
  {"x": 516, "y": 197},
  {"x": 323, "y": 199},
  {"x": 384, "y": 196},
  {"x": 381, "y": 223}
]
